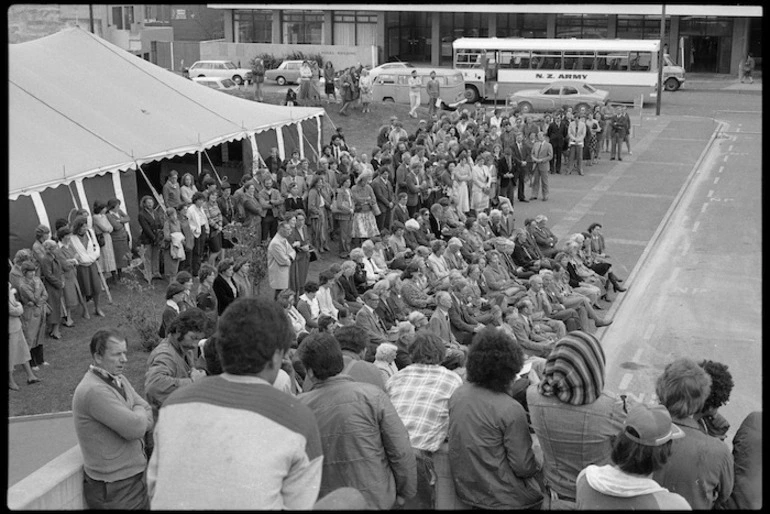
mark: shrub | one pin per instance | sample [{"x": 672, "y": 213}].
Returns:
[
  {"x": 139, "y": 313},
  {"x": 247, "y": 245},
  {"x": 299, "y": 56},
  {"x": 271, "y": 62}
]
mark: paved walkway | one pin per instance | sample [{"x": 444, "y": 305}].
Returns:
[{"x": 33, "y": 441}]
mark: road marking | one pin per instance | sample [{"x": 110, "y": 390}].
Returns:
[
  {"x": 638, "y": 195},
  {"x": 721, "y": 169},
  {"x": 637, "y": 355},
  {"x": 716, "y": 181},
  {"x": 695, "y": 226},
  {"x": 711, "y": 193},
  {"x": 726, "y": 156},
  {"x": 703, "y": 209},
  {"x": 667, "y": 164},
  {"x": 647, "y": 335},
  {"x": 625, "y": 381}
]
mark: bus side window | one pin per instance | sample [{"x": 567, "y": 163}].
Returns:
[{"x": 387, "y": 79}]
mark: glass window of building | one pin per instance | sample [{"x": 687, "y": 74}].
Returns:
[
  {"x": 522, "y": 25},
  {"x": 407, "y": 36},
  {"x": 355, "y": 28},
  {"x": 584, "y": 26},
  {"x": 640, "y": 27},
  {"x": 303, "y": 27},
  {"x": 457, "y": 25},
  {"x": 253, "y": 26}
]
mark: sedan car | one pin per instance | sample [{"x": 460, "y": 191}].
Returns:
[
  {"x": 287, "y": 72},
  {"x": 221, "y": 69},
  {"x": 389, "y": 66},
  {"x": 216, "y": 83},
  {"x": 578, "y": 95}
]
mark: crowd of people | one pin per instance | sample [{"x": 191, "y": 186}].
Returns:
[{"x": 444, "y": 328}]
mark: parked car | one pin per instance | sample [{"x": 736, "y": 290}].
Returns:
[
  {"x": 392, "y": 85},
  {"x": 389, "y": 66},
  {"x": 216, "y": 82},
  {"x": 222, "y": 69},
  {"x": 579, "y": 95}
]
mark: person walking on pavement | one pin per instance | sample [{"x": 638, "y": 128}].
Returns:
[
  {"x": 415, "y": 84},
  {"x": 434, "y": 93},
  {"x": 748, "y": 69}
]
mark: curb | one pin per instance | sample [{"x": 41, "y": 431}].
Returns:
[{"x": 663, "y": 225}]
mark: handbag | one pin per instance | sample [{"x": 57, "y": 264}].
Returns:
[{"x": 100, "y": 238}]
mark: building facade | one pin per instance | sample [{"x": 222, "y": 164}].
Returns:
[{"x": 706, "y": 38}]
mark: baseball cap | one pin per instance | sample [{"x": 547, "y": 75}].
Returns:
[{"x": 653, "y": 424}]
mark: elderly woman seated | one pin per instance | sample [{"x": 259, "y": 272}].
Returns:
[
  {"x": 436, "y": 262},
  {"x": 414, "y": 236},
  {"x": 453, "y": 255},
  {"x": 414, "y": 287},
  {"x": 498, "y": 279},
  {"x": 471, "y": 237}
]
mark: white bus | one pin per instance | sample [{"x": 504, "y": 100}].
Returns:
[{"x": 627, "y": 68}]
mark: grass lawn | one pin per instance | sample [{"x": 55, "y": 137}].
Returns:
[{"x": 69, "y": 357}]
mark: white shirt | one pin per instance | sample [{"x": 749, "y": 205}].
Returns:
[{"x": 324, "y": 297}]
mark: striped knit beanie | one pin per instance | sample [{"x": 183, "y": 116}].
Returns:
[{"x": 574, "y": 371}]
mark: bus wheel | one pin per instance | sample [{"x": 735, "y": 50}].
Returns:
[
  {"x": 524, "y": 107},
  {"x": 582, "y": 108},
  {"x": 472, "y": 94},
  {"x": 389, "y": 100},
  {"x": 671, "y": 84}
]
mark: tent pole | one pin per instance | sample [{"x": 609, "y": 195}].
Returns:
[
  {"x": 200, "y": 162},
  {"x": 212, "y": 166},
  {"x": 158, "y": 198}
]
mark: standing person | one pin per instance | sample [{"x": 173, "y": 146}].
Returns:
[
  {"x": 206, "y": 299},
  {"x": 627, "y": 121},
  {"x": 641, "y": 448},
  {"x": 150, "y": 238},
  {"x": 747, "y": 454},
  {"x": 187, "y": 188},
  {"x": 364, "y": 224},
  {"x": 748, "y": 69},
  {"x": 258, "y": 77},
  {"x": 216, "y": 223},
  {"x": 171, "y": 190},
  {"x": 224, "y": 286},
  {"x": 701, "y": 466},
  {"x": 420, "y": 393},
  {"x": 305, "y": 74},
  {"x": 556, "y": 139},
  {"x": 280, "y": 255},
  {"x": 619, "y": 133},
  {"x": 18, "y": 351},
  {"x": 316, "y": 209},
  {"x": 542, "y": 153},
  {"x": 374, "y": 455},
  {"x": 199, "y": 226},
  {"x": 52, "y": 276},
  {"x": 576, "y": 135},
  {"x": 481, "y": 185},
  {"x": 299, "y": 238},
  {"x": 34, "y": 297},
  {"x": 68, "y": 260},
  {"x": 343, "y": 209},
  {"x": 111, "y": 420},
  {"x": 415, "y": 85},
  {"x": 173, "y": 243},
  {"x": 271, "y": 201},
  {"x": 506, "y": 171},
  {"x": 243, "y": 278},
  {"x": 489, "y": 441},
  {"x": 434, "y": 93},
  {"x": 329, "y": 82},
  {"x": 347, "y": 90},
  {"x": 365, "y": 86},
  {"x": 83, "y": 243},
  {"x": 383, "y": 191},
  {"x": 103, "y": 227},
  {"x": 281, "y": 469},
  {"x": 119, "y": 235},
  {"x": 520, "y": 159}
]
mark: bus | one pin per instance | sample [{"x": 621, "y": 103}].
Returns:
[{"x": 627, "y": 68}]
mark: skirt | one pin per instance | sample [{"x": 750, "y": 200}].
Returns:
[
  {"x": 72, "y": 296},
  {"x": 329, "y": 87},
  {"x": 122, "y": 253},
  {"x": 364, "y": 225},
  {"x": 18, "y": 351},
  {"x": 107, "y": 255},
  {"x": 88, "y": 279},
  {"x": 367, "y": 97}
]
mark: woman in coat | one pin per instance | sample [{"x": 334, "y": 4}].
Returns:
[
  {"x": 300, "y": 240},
  {"x": 280, "y": 255},
  {"x": 119, "y": 235},
  {"x": 343, "y": 215},
  {"x": 67, "y": 258},
  {"x": 316, "y": 209},
  {"x": 224, "y": 286},
  {"x": 34, "y": 298},
  {"x": 18, "y": 352},
  {"x": 173, "y": 242},
  {"x": 83, "y": 242},
  {"x": 103, "y": 226},
  {"x": 53, "y": 280},
  {"x": 242, "y": 278},
  {"x": 151, "y": 221},
  {"x": 482, "y": 183}
]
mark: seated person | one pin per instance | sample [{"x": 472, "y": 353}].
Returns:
[
  {"x": 498, "y": 279},
  {"x": 543, "y": 308},
  {"x": 541, "y": 329},
  {"x": 545, "y": 239},
  {"x": 521, "y": 330},
  {"x": 414, "y": 287}
]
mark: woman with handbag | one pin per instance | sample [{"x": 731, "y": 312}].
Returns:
[{"x": 18, "y": 352}]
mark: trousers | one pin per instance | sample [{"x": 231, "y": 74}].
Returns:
[{"x": 127, "y": 494}]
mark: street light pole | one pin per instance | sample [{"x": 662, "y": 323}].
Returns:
[
  {"x": 660, "y": 61},
  {"x": 91, "y": 17}
]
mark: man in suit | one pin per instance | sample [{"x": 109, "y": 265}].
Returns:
[
  {"x": 368, "y": 319},
  {"x": 556, "y": 138},
  {"x": 506, "y": 171},
  {"x": 439, "y": 321},
  {"x": 462, "y": 322},
  {"x": 542, "y": 153},
  {"x": 576, "y": 135},
  {"x": 415, "y": 188},
  {"x": 520, "y": 158},
  {"x": 620, "y": 125},
  {"x": 400, "y": 211},
  {"x": 383, "y": 191},
  {"x": 545, "y": 239}
]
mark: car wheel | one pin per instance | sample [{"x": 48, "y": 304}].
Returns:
[
  {"x": 582, "y": 108},
  {"x": 472, "y": 94},
  {"x": 281, "y": 81},
  {"x": 524, "y": 107},
  {"x": 671, "y": 84},
  {"x": 388, "y": 99},
  {"x": 238, "y": 79}
]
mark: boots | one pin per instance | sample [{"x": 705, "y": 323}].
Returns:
[
  {"x": 615, "y": 283},
  {"x": 602, "y": 322}
]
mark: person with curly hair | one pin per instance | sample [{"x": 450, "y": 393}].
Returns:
[
  {"x": 489, "y": 440},
  {"x": 712, "y": 422}
]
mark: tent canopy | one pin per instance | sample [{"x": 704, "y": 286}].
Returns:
[{"x": 80, "y": 106}]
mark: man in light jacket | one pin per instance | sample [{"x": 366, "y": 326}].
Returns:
[{"x": 576, "y": 135}]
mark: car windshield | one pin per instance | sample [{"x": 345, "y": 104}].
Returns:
[
  {"x": 230, "y": 66},
  {"x": 228, "y": 83},
  {"x": 589, "y": 88}
]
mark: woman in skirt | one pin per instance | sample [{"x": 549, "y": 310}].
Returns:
[
  {"x": 34, "y": 298},
  {"x": 83, "y": 242},
  {"x": 18, "y": 352},
  {"x": 72, "y": 297},
  {"x": 329, "y": 82},
  {"x": 364, "y": 205},
  {"x": 120, "y": 242},
  {"x": 103, "y": 226}
]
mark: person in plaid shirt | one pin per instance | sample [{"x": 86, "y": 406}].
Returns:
[{"x": 420, "y": 393}]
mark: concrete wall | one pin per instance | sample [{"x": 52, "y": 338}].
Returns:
[
  {"x": 341, "y": 56},
  {"x": 56, "y": 486}
]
